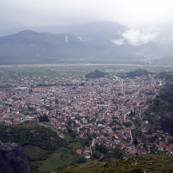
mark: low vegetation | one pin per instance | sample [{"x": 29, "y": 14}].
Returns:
[{"x": 139, "y": 164}]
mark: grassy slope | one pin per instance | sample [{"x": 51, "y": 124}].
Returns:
[
  {"x": 60, "y": 158},
  {"x": 34, "y": 152},
  {"x": 148, "y": 163},
  {"x": 46, "y": 152}
]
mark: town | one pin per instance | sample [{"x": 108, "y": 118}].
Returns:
[{"x": 108, "y": 109}]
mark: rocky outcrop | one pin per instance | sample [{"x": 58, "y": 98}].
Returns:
[
  {"x": 138, "y": 72},
  {"x": 13, "y": 159},
  {"x": 95, "y": 74}
]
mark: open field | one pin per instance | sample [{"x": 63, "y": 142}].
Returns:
[{"x": 43, "y": 74}]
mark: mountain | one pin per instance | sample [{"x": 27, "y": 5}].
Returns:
[
  {"x": 96, "y": 32},
  {"x": 31, "y": 46},
  {"x": 93, "y": 42}
]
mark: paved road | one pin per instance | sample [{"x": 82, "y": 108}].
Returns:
[
  {"x": 92, "y": 145},
  {"x": 81, "y": 125},
  {"x": 131, "y": 137}
]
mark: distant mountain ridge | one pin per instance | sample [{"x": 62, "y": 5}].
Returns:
[
  {"x": 96, "y": 31},
  {"x": 80, "y": 43}
]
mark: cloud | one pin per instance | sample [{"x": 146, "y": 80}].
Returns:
[
  {"x": 29, "y": 14},
  {"x": 136, "y": 38},
  {"x": 118, "y": 42},
  {"x": 51, "y": 12},
  {"x": 171, "y": 38},
  {"x": 154, "y": 28}
]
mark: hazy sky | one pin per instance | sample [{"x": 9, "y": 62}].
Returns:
[{"x": 36, "y": 13}]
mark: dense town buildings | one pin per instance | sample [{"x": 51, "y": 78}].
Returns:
[{"x": 107, "y": 108}]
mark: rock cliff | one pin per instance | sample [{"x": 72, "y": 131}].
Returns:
[{"x": 13, "y": 159}]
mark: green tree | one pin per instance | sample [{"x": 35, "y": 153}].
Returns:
[
  {"x": 102, "y": 148},
  {"x": 96, "y": 155},
  {"x": 81, "y": 159},
  {"x": 86, "y": 142},
  {"x": 116, "y": 153}
]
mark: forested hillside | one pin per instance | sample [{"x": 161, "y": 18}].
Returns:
[{"x": 160, "y": 113}]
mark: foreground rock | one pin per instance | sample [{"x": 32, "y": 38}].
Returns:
[{"x": 13, "y": 159}]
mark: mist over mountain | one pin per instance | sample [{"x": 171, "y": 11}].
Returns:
[
  {"x": 97, "y": 41},
  {"x": 165, "y": 34}
]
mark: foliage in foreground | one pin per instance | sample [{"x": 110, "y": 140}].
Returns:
[
  {"x": 147, "y": 163},
  {"x": 31, "y": 135}
]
